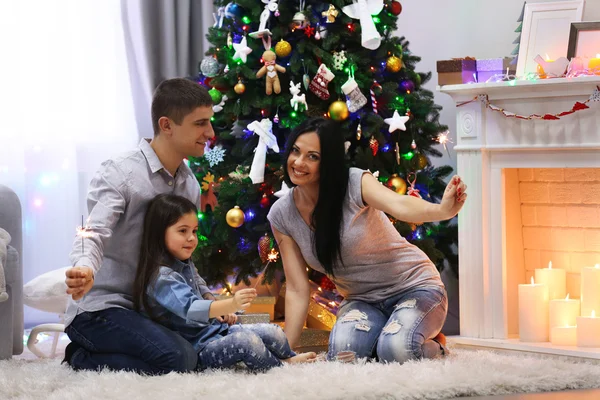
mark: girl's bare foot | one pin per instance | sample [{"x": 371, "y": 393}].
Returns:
[{"x": 301, "y": 358}]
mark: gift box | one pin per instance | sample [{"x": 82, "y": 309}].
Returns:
[
  {"x": 260, "y": 318},
  {"x": 456, "y": 71},
  {"x": 488, "y": 68}
]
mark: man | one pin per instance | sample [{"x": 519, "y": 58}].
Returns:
[{"x": 100, "y": 321}]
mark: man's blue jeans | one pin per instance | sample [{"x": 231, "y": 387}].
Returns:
[
  {"x": 121, "y": 339},
  {"x": 397, "y": 329}
]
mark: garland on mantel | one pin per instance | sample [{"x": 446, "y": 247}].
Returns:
[{"x": 578, "y": 106}]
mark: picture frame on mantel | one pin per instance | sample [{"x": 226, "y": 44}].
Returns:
[
  {"x": 545, "y": 31},
  {"x": 584, "y": 40}
]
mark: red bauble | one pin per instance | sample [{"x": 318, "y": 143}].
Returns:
[
  {"x": 264, "y": 202},
  {"x": 326, "y": 284},
  {"x": 395, "y": 7},
  {"x": 264, "y": 246},
  {"x": 374, "y": 145}
]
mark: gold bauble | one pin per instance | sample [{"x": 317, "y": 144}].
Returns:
[
  {"x": 393, "y": 64},
  {"x": 235, "y": 217},
  {"x": 338, "y": 111},
  {"x": 283, "y": 48},
  {"x": 239, "y": 87},
  {"x": 419, "y": 161},
  {"x": 397, "y": 184}
]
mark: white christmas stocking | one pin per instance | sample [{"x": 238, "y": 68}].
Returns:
[{"x": 354, "y": 97}]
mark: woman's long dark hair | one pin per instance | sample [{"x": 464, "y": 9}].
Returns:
[
  {"x": 327, "y": 217},
  {"x": 163, "y": 211}
]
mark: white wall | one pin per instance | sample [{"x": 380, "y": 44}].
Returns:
[{"x": 445, "y": 29}]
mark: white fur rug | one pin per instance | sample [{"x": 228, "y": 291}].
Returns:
[{"x": 463, "y": 373}]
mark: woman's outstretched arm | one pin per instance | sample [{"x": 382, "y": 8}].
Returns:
[
  {"x": 297, "y": 293},
  {"x": 413, "y": 209}
]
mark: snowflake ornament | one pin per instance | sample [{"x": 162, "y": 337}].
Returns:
[
  {"x": 215, "y": 155},
  {"x": 339, "y": 58}
]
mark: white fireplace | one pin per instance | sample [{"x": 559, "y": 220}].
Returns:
[{"x": 534, "y": 196}]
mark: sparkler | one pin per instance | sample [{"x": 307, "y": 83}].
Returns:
[
  {"x": 271, "y": 257},
  {"x": 84, "y": 232},
  {"x": 443, "y": 139}
]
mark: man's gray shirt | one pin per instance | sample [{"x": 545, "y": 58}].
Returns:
[{"x": 117, "y": 199}]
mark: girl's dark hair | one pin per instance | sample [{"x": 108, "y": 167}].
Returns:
[
  {"x": 163, "y": 211},
  {"x": 327, "y": 217}
]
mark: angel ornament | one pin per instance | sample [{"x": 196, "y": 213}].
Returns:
[
  {"x": 271, "y": 6},
  {"x": 363, "y": 10}
]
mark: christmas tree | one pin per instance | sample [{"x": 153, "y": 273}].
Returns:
[{"x": 273, "y": 64}]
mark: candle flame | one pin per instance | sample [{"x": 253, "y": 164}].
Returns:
[
  {"x": 598, "y": 55},
  {"x": 319, "y": 288},
  {"x": 547, "y": 57},
  {"x": 593, "y": 313},
  {"x": 597, "y": 266},
  {"x": 567, "y": 298},
  {"x": 532, "y": 282},
  {"x": 549, "y": 264}
]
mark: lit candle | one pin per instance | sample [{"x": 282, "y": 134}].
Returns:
[
  {"x": 588, "y": 331},
  {"x": 533, "y": 312},
  {"x": 595, "y": 64},
  {"x": 563, "y": 335},
  {"x": 590, "y": 290},
  {"x": 555, "y": 279},
  {"x": 564, "y": 312}
]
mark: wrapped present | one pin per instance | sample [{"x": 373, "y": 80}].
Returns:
[
  {"x": 261, "y": 304},
  {"x": 260, "y": 318},
  {"x": 494, "y": 69},
  {"x": 456, "y": 71}
]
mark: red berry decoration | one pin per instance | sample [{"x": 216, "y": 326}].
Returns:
[
  {"x": 326, "y": 284},
  {"x": 395, "y": 7}
]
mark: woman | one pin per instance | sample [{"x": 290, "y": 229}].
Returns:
[{"x": 334, "y": 219}]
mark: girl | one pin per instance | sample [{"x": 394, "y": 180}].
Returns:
[
  {"x": 334, "y": 219},
  {"x": 170, "y": 291}
]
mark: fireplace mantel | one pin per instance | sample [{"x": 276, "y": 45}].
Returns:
[{"x": 487, "y": 142}]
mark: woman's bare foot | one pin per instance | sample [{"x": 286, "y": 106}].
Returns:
[{"x": 301, "y": 358}]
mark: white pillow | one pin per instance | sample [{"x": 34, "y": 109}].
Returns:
[{"x": 47, "y": 292}]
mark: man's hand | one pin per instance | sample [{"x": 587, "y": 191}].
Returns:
[{"x": 79, "y": 281}]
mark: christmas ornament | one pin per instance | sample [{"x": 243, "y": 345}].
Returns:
[
  {"x": 309, "y": 31},
  {"x": 232, "y": 10},
  {"x": 270, "y": 68},
  {"x": 330, "y": 14},
  {"x": 264, "y": 246},
  {"x": 241, "y": 50},
  {"x": 374, "y": 145},
  {"x": 276, "y": 117},
  {"x": 319, "y": 83},
  {"x": 375, "y": 90},
  {"x": 283, "y": 191},
  {"x": 419, "y": 162},
  {"x": 395, "y": 7},
  {"x": 215, "y": 95},
  {"x": 229, "y": 40},
  {"x": 271, "y": 6},
  {"x": 219, "y": 107},
  {"x": 363, "y": 10},
  {"x": 264, "y": 202},
  {"x": 413, "y": 145},
  {"x": 397, "y": 184},
  {"x": 412, "y": 191},
  {"x": 358, "y": 131},
  {"x": 338, "y": 111},
  {"x": 215, "y": 155},
  {"x": 266, "y": 141},
  {"x": 283, "y": 48},
  {"x": 397, "y": 150},
  {"x": 305, "y": 77},
  {"x": 326, "y": 284},
  {"x": 208, "y": 198},
  {"x": 347, "y": 145},
  {"x": 297, "y": 98},
  {"x": 299, "y": 21},
  {"x": 239, "y": 87},
  {"x": 209, "y": 67},
  {"x": 393, "y": 64},
  {"x": 235, "y": 217},
  {"x": 339, "y": 58},
  {"x": 407, "y": 86},
  {"x": 396, "y": 122},
  {"x": 354, "y": 97}
]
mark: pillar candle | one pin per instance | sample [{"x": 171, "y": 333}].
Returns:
[
  {"x": 555, "y": 279},
  {"x": 564, "y": 312},
  {"x": 590, "y": 290},
  {"x": 563, "y": 335},
  {"x": 588, "y": 331},
  {"x": 594, "y": 64},
  {"x": 533, "y": 312}
]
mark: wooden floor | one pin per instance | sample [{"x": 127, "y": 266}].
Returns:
[{"x": 591, "y": 394}]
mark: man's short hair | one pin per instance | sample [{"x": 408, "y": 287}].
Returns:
[{"x": 176, "y": 98}]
